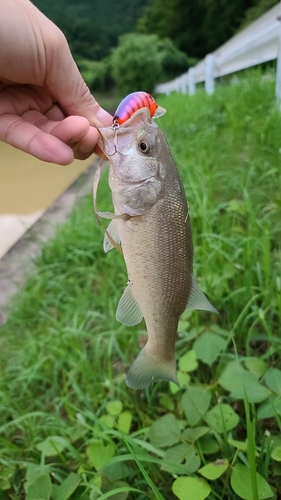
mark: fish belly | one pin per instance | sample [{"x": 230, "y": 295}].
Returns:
[{"x": 157, "y": 250}]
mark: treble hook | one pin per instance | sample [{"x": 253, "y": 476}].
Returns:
[{"x": 115, "y": 126}]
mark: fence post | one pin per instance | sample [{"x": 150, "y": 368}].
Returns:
[
  {"x": 183, "y": 84},
  {"x": 209, "y": 77},
  {"x": 191, "y": 83},
  {"x": 278, "y": 69}
]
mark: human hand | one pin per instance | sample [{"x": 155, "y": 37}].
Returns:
[{"x": 46, "y": 108}]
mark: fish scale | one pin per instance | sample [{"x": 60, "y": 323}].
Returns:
[
  {"x": 151, "y": 221},
  {"x": 154, "y": 277}
]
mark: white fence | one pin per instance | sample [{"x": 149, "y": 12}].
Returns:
[{"x": 257, "y": 43}]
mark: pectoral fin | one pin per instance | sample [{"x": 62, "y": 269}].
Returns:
[
  {"x": 197, "y": 299},
  {"x": 112, "y": 231},
  {"x": 110, "y": 215},
  {"x": 128, "y": 311}
]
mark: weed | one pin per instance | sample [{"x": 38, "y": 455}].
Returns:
[{"x": 70, "y": 429}]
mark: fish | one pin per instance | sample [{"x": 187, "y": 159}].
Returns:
[
  {"x": 134, "y": 101},
  {"x": 151, "y": 221}
]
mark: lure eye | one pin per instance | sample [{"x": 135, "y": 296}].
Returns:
[{"x": 144, "y": 146}]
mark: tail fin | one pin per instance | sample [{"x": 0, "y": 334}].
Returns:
[{"x": 147, "y": 369}]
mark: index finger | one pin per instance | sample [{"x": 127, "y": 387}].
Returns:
[{"x": 23, "y": 135}]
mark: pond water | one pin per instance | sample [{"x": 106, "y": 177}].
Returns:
[{"x": 27, "y": 188}]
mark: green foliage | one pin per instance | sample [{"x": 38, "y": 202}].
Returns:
[
  {"x": 40, "y": 488},
  {"x": 136, "y": 63},
  {"x": 195, "y": 402},
  {"x": 70, "y": 428},
  {"x": 199, "y": 27},
  {"x": 131, "y": 63},
  {"x": 237, "y": 381},
  {"x": 165, "y": 431},
  {"x": 6, "y": 477},
  {"x": 222, "y": 418},
  {"x": 241, "y": 484},
  {"x": 209, "y": 346},
  {"x": 174, "y": 62},
  {"x": 86, "y": 23},
  {"x": 67, "y": 487},
  {"x": 178, "y": 20},
  {"x": 195, "y": 28},
  {"x": 52, "y": 445},
  {"x": 99, "y": 454},
  {"x": 257, "y": 10},
  {"x": 190, "y": 487},
  {"x": 141, "y": 61},
  {"x": 214, "y": 470},
  {"x": 97, "y": 74}
]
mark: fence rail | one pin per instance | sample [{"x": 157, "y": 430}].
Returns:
[{"x": 257, "y": 43}]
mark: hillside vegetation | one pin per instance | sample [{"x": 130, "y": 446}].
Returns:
[
  {"x": 93, "y": 27},
  {"x": 70, "y": 428},
  {"x": 135, "y": 44}
]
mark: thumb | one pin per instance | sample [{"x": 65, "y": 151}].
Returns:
[{"x": 68, "y": 88}]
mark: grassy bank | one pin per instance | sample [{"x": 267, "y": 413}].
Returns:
[{"x": 70, "y": 428}]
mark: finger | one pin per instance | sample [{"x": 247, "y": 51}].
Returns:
[
  {"x": 55, "y": 113},
  {"x": 87, "y": 145},
  {"x": 84, "y": 143},
  {"x": 70, "y": 129},
  {"x": 68, "y": 88},
  {"x": 99, "y": 152},
  {"x": 17, "y": 99},
  {"x": 23, "y": 135},
  {"x": 73, "y": 130}
]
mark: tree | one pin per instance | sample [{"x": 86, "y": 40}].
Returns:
[
  {"x": 256, "y": 11},
  {"x": 92, "y": 27},
  {"x": 174, "y": 62},
  {"x": 197, "y": 28},
  {"x": 136, "y": 63},
  {"x": 179, "y": 20}
]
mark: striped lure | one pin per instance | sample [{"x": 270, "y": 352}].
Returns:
[{"x": 132, "y": 103}]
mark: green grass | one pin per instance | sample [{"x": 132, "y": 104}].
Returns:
[{"x": 69, "y": 427}]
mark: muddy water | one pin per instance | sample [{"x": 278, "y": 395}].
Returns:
[
  {"x": 28, "y": 185},
  {"x": 27, "y": 188}
]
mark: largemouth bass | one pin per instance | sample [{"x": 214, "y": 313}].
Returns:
[{"x": 151, "y": 221}]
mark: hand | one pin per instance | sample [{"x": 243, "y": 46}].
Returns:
[{"x": 46, "y": 108}]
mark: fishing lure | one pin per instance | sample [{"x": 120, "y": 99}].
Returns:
[{"x": 133, "y": 102}]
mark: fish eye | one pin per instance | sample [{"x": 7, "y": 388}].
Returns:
[{"x": 144, "y": 146}]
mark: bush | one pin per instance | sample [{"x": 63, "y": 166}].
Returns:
[
  {"x": 97, "y": 74},
  {"x": 136, "y": 63},
  {"x": 174, "y": 62}
]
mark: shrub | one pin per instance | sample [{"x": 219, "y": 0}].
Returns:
[
  {"x": 97, "y": 74},
  {"x": 136, "y": 63},
  {"x": 174, "y": 62}
]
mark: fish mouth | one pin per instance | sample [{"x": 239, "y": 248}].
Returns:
[
  {"x": 109, "y": 139},
  {"x": 118, "y": 138}
]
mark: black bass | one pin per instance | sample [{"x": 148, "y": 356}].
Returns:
[{"x": 151, "y": 221}]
